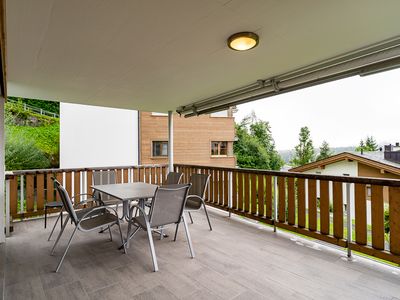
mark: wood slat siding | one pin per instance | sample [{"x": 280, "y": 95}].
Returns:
[
  {"x": 13, "y": 195},
  {"x": 291, "y": 201},
  {"x": 158, "y": 174},
  {"x": 377, "y": 217},
  {"x": 215, "y": 177},
  {"x": 253, "y": 207},
  {"x": 268, "y": 196},
  {"x": 164, "y": 174},
  {"x": 324, "y": 206},
  {"x": 59, "y": 177},
  {"x": 240, "y": 194},
  {"x": 30, "y": 193},
  {"x": 312, "y": 204},
  {"x": 282, "y": 199},
  {"x": 77, "y": 184},
  {"x": 221, "y": 188},
  {"x": 360, "y": 214},
  {"x": 261, "y": 196},
  {"x": 119, "y": 176},
  {"x": 40, "y": 191},
  {"x": 301, "y": 202},
  {"x": 226, "y": 188},
  {"x": 126, "y": 177},
  {"x": 246, "y": 196},
  {"x": 338, "y": 209},
  {"x": 68, "y": 182},
  {"x": 234, "y": 190},
  {"x": 49, "y": 188},
  {"x": 394, "y": 220},
  {"x": 89, "y": 180}
]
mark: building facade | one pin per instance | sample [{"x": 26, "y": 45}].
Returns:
[{"x": 202, "y": 140}]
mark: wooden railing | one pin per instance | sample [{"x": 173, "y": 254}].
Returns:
[
  {"x": 28, "y": 191},
  {"x": 320, "y": 206}
]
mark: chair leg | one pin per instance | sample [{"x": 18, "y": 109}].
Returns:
[
  {"x": 66, "y": 250},
  {"x": 61, "y": 213},
  {"x": 190, "y": 216},
  {"x": 188, "y": 236},
  {"x": 54, "y": 226},
  {"x": 161, "y": 232},
  {"x": 109, "y": 230},
  {"x": 45, "y": 217},
  {"x": 151, "y": 244},
  {"x": 176, "y": 231},
  {"x": 208, "y": 218},
  {"x": 120, "y": 234},
  {"x": 59, "y": 235}
]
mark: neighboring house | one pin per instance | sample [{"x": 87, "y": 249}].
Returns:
[
  {"x": 368, "y": 164},
  {"x": 202, "y": 140}
]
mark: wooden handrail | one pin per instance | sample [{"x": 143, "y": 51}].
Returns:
[{"x": 348, "y": 179}]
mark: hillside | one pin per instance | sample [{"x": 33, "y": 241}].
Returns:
[{"x": 287, "y": 154}]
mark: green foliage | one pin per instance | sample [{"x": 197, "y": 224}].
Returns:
[
  {"x": 22, "y": 153},
  {"x": 387, "y": 226},
  {"x": 255, "y": 146},
  {"x": 32, "y": 140},
  {"x": 369, "y": 144},
  {"x": 304, "y": 151},
  {"x": 50, "y": 106},
  {"x": 16, "y": 115},
  {"x": 324, "y": 151}
]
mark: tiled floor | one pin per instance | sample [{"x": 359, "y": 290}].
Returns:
[{"x": 237, "y": 260}]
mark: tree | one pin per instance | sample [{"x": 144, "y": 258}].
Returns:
[
  {"x": 370, "y": 144},
  {"x": 324, "y": 151},
  {"x": 304, "y": 151},
  {"x": 255, "y": 146}
]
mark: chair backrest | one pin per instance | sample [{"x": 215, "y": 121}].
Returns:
[
  {"x": 199, "y": 184},
  {"x": 68, "y": 206},
  {"x": 173, "y": 178},
  {"x": 103, "y": 177},
  {"x": 168, "y": 204}
]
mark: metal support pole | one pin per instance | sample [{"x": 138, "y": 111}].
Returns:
[
  {"x": 230, "y": 192},
  {"x": 2, "y": 170},
  {"x": 8, "y": 208},
  {"x": 349, "y": 222},
  {"x": 170, "y": 142},
  {"x": 275, "y": 202}
]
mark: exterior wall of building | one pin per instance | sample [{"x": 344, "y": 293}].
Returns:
[
  {"x": 192, "y": 138},
  {"x": 339, "y": 168},
  {"x": 92, "y": 136},
  {"x": 367, "y": 171}
]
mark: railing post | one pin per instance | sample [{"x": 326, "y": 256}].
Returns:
[
  {"x": 7, "y": 207},
  {"x": 22, "y": 195},
  {"x": 230, "y": 192},
  {"x": 275, "y": 201},
  {"x": 349, "y": 221}
]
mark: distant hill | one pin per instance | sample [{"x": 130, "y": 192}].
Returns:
[{"x": 287, "y": 154}]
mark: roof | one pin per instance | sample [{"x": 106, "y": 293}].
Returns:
[
  {"x": 372, "y": 159},
  {"x": 158, "y": 55}
]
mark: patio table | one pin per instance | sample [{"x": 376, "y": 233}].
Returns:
[{"x": 127, "y": 192}]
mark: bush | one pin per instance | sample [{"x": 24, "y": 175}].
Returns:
[{"x": 22, "y": 153}]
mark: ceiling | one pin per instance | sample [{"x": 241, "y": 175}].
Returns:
[{"x": 158, "y": 55}]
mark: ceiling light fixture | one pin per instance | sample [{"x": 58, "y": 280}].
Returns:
[{"x": 243, "y": 41}]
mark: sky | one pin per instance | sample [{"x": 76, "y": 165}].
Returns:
[{"x": 341, "y": 112}]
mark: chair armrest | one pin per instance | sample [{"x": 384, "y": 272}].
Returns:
[
  {"x": 90, "y": 212},
  {"x": 84, "y": 201},
  {"x": 195, "y": 197}
]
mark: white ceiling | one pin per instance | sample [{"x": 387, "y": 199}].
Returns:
[{"x": 157, "y": 55}]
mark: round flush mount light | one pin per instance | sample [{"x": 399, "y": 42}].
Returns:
[{"x": 243, "y": 41}]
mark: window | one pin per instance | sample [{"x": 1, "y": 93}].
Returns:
[
  {"x": 219, "y": 148},
  {"x": 160, "y": 148}
]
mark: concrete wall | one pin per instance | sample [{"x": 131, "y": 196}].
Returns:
[{"x": 92, "y": 136}]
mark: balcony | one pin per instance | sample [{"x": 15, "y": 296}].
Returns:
[{"x": 241, "y": 258}]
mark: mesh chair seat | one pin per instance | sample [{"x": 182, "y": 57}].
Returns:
[
  {"x": 54, "y": 204},
  {"x": 193, "y": 204},
  {"x": 81, "y": 212},
  {"x": 98, "y": 221},
  {"x": 111, "y": 202}
]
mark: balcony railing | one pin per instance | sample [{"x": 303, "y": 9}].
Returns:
[{"x": 312, "y": 205}]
